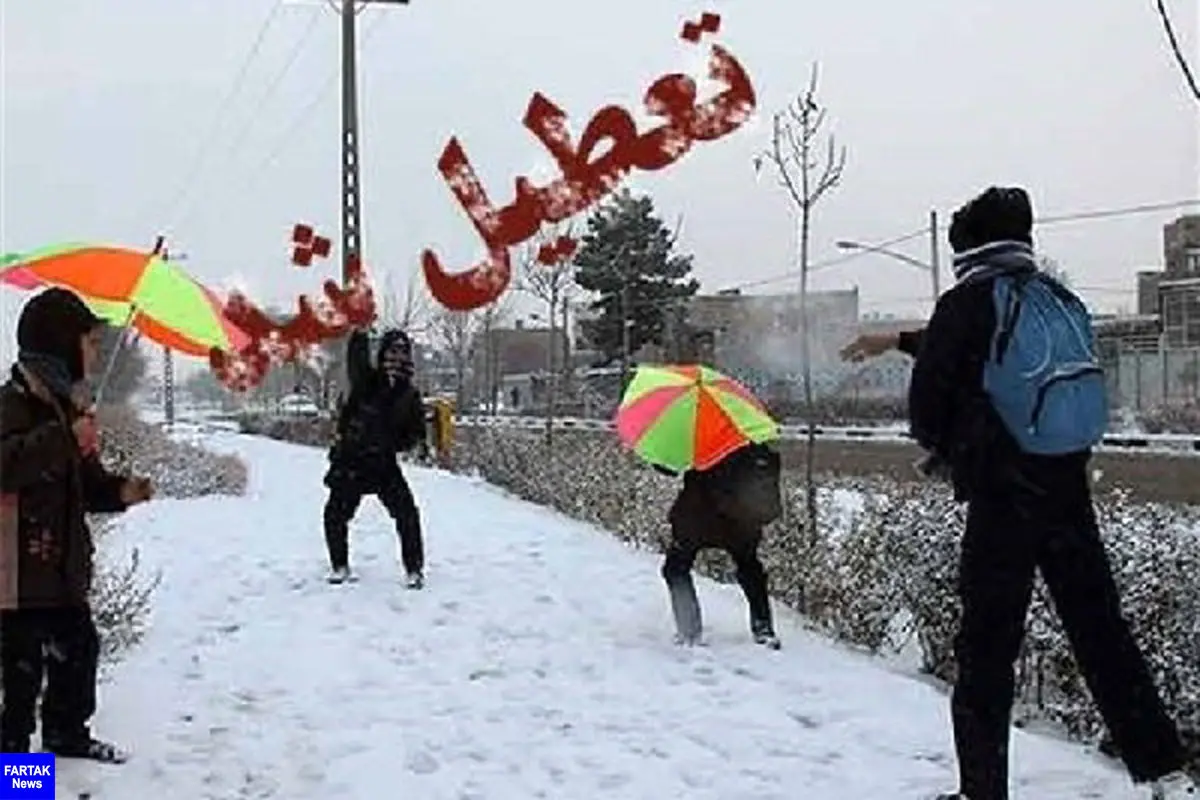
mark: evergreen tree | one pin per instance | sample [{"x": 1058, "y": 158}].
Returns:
[{"x": 627, "y": 260}]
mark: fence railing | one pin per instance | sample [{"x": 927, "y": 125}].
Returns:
[
  {"x": 1149, "y": 379},
  {"x": 1181, "y": 444}
]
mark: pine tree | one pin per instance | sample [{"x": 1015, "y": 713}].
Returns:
[{"x": 627, "y": 258}]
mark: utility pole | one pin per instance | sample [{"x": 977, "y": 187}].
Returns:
[
  {"x": 934, "y": 256},
  {"x": 625, "y": 323},
  {"x": 351, "y": 188},
  {"x": 168, "y": 373}
]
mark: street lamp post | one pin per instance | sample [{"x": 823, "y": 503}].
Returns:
[
  {"x": 932, "y": 266},
  {"x": 928, "y": 266}
]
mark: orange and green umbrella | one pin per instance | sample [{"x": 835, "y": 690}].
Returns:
[
  {"x": 690, "y": 417},
  {"x": 131, "y": 288}
]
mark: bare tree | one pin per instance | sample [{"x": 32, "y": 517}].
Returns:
[
  {"x": 457, "y": 334},
  {"x": 491, "y": 318},
  {"x": 808, "y": 171},
  {"x": 406, "y": 305},
  {"x": 550, "y": 283}
]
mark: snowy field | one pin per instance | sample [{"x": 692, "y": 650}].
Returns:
[{"x": 537, "y": 664}]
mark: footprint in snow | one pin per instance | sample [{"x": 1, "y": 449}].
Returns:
[{"x": 421, "y": 762}]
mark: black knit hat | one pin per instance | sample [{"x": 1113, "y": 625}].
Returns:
[
  {"x": 997, "y": 215},
  {"x": 51, "y": 325}
]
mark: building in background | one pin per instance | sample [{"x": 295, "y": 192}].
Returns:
[
  {"x": 1179, "y": 286},
  {"x": 512, "y": 364}
]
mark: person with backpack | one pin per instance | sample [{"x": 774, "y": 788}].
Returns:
[
  {"x": 724, "y": 507},
  {"x": 383, "y": 416},
  {"x": 51, "y": 478},
  {"x": 1008, "y": 399}
]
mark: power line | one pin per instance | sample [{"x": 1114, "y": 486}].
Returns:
[
  {"x": 210, "y": 137},
  {"x": 255, "y": 115},
  {"x": 1127, "y": 211},
  {"x": 832, "y": 262},
  {"x": 306, "y": 114},
  {"x": 872, "y": 249},
  {"x": 1173, "y": 40}
]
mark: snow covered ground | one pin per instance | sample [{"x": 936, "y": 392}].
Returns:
[{"x": 537, "y": 664}]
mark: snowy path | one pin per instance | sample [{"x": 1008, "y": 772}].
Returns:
[{"x": 537, "y": 664}]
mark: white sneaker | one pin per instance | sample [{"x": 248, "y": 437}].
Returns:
[
  {"x": 1176, "y": 786},
  {"x": 339, "y": 575},
  {"x": 415, "y": 580}
]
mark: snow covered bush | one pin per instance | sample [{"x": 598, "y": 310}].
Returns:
[
  {"x": 121, "y": 598},
  {"x": 880, "y": 572},
  {"x": 178, "y": 469},
  {"x": 313, "y": 431},
  {"x": 1171, "y": 419}
]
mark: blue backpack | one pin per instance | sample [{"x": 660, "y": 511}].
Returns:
[{"x": 1042, "y": 374}]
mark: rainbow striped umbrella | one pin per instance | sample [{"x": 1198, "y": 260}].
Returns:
[
  {"x": 690, "y": 417},
  {"x": 131, "y": 288}
]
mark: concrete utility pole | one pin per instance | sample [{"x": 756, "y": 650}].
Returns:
[
  {"x": 168, "y": 373},
  {"x": 351, "y": 192}
]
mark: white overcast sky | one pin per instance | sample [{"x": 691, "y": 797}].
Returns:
[{"x": 106, "y": 102}]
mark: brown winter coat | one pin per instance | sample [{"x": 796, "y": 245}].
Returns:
[{"x": 46, "y": 487}]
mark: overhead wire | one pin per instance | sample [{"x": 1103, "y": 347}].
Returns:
[
  {"x": 306, "y": 114},
  {"x": 872, "y": 249},
  {"x": 239, "y": 138},
  {"x": 210, "y": 135},
  {"x": 1173, "y": 41}
]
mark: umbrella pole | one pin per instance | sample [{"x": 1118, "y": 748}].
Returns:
[{"x": 110, "y": 367}]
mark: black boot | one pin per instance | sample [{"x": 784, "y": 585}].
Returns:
[
  {"x": 764, "y": 634},
  {"x": 83, "y": 746}
]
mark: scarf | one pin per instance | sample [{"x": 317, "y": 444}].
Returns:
[
  {"x": 1004, "y": 256},
  {"x": 50, "y": 370}
]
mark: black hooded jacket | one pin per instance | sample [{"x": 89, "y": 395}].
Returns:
[{"x": 380, "y": 418}]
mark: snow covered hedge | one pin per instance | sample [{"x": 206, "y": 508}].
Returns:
[
  {"x": 178, "y": 469},
  {"x": 880, "y": 574}
]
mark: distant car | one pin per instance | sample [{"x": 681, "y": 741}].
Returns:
[{"x": 298, "y": 405}]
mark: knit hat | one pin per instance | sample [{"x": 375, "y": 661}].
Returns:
[
  {"x": 999, "y": 214},
  {"x": 50, "y": 327}
]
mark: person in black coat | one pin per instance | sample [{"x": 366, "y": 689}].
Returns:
[
  {"x": 382, "y": 417},
  {"x": 1026, "y": 513},
  {"x": 724, "y": 507}
]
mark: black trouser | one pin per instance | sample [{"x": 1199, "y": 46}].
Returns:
[
  {"x": 751, "y": 576},
  {"x": 1006, "y": 540},
  {"x": 393, "y": 491},
  {"x": 61, "y": 645}
]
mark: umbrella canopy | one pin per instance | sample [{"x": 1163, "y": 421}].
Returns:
[
  {"x": 690, "y": 417},
  {"x": 130, "y": 287}
]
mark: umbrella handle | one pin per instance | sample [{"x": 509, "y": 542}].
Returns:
[{"x": 113, "y": 356}]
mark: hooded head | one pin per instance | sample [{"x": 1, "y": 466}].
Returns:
[
  {"x": 395, "y": 355},
  {"x": 58, "y": 338},
  {"x": 1000, "y": 214}
]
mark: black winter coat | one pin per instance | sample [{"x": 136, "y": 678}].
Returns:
[
  {"x": 952, "y": 417},
  {"x": 379, "y": 420}
]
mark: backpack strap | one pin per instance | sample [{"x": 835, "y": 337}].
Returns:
[{"x": 1012, "y": 310}]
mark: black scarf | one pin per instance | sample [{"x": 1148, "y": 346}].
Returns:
[{"x": 50, "y": 370}]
